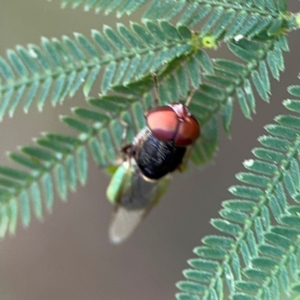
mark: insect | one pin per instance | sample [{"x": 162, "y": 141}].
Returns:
[{"x": 144, "y": 176}]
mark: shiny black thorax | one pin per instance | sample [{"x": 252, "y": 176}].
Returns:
[{"x": 154, "y": 157}]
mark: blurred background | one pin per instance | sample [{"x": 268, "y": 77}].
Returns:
[{"x": 68, "y": 255}]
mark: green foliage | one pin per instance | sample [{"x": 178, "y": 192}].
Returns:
[
  {"x": 59, "y": 68},
  {"x": 257, "y": 254},
  {"x": 60, "y": 163},
  {"x": 247, "y": 18}
]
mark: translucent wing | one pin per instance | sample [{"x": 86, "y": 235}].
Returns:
[{"x": 133, "y": 196}]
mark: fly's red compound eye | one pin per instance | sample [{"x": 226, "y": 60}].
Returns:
[
  {"x": 173, "y": 123},
  {"x": 163, "y": 123}
]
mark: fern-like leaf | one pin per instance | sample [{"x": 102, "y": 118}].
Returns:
[
  {"x": 218, "y": 18},
  {"x": 58, "y": 163},
  {"x": 257, "y": 253},
  {"x": 59, "y": 68},
  {"x": 231, "y": 80}
]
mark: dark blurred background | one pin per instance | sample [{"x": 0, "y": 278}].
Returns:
[{"x": 68, "y": 256}]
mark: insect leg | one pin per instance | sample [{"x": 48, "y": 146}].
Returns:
[
  {"x": 189, "y": 98},
  {"x": 156, "y": 94}
]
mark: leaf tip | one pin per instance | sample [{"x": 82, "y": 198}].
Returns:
[{"x": 248, "y": 163}]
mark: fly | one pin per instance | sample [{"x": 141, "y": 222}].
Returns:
[{"x": 157, "y": 151}]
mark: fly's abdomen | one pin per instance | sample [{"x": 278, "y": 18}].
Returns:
[{"x": 157, "y": 158}]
